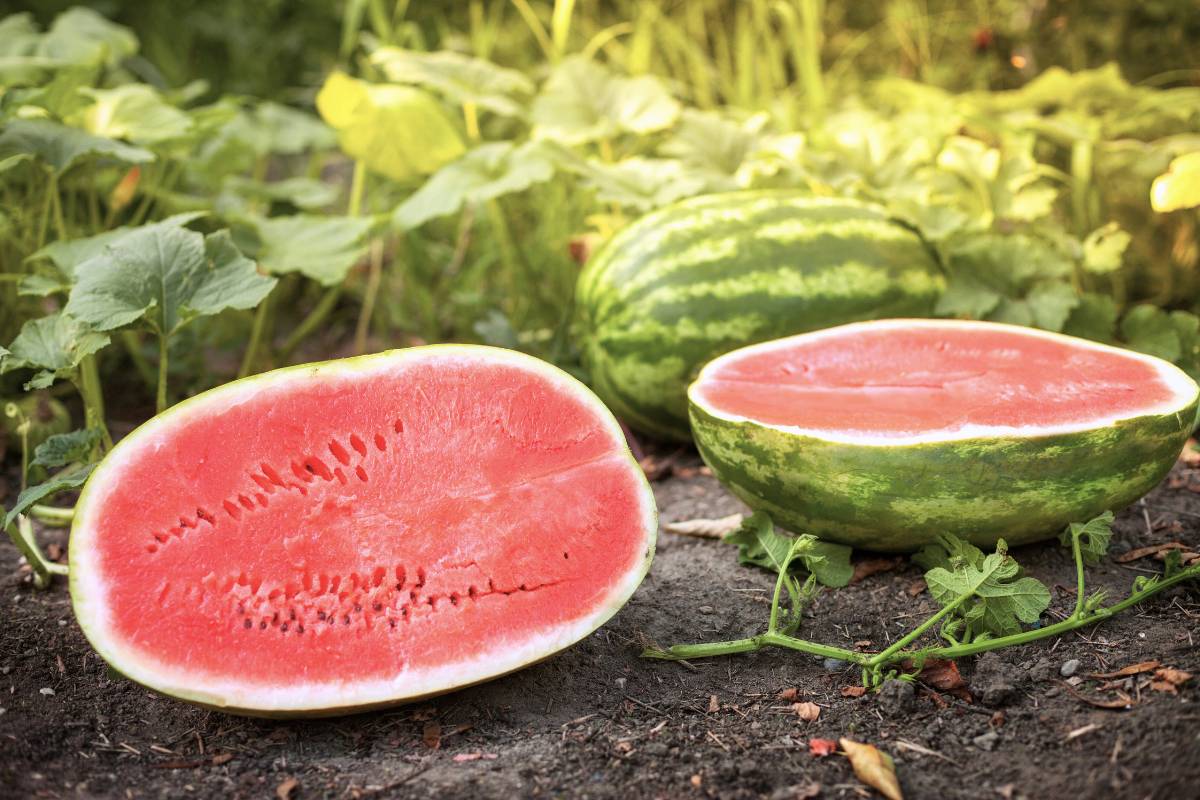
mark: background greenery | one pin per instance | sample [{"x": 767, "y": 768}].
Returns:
[{"x": 193, "y": 191}]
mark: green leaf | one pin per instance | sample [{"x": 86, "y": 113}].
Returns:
[
  {"x": 947, "y": 551},
  {"x": 63, "y": 448},
  {"x": 639, "y": 183},
  {"x": 1104, "y": 249},
  {"x": 583, "y": 101},
  {"x": 167, "y": 275},
  {"x": 1179, "y": 186},
  {"x": 487, "y": 172},
  {"x": 966, "y": 295},
  {"x": 715, "y": 146},
  {"x": 319, "y": 247},
  {"x": 760, "y": 545},
  {"x": 56, "y": 484},
  {"x": 397, "y": 131},
  {"x": 82, "y": 35},
  {"x": 1151, "y": 330},
  {"x": 61, "y": 147},
  {"x": 1094, "y": 536},
  {"x": 997, "y": 600},
  {"x": 54, "y": 344},
  {"x": 306, "y": 193},
  {"x": 135, "y": 112},
  {"x": 458, "y": 78},
  {"x": 1050, "y": 303},
  {"x": 1094, "y": 318},
  {"x": 66, "y": 255}
]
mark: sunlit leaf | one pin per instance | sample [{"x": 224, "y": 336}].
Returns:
[
  {"x": 459, "y": 78},
  {"x": 63, "y": 448},
  {"x": 760, "y": 545},
  {"x": 1094, "y": 536},
  {"x": 1104, "y": 249},
  {"x": 135, "y": 112},
  {"x": 323, "y": 248},
  {"x": 999, "y": 601},
  {"x": 54, "y": 344},
  {"x": 61, "y": 147},
  {"x": 1179, "y": 186},
  {"x": 80, "y": 34},
  {"x": 1160, "y": 333},
  {"x": 583, "y": 101},
  {"x": 1095, "y": 317},
  {"x": 873, "y": 767},
  {"x": 397, "y": 131},
  {"x": 305, "y": 193},
  {"x": 639, "y": 183},
  {"x": 56, "y": 484},
  {"x": 489, "y": 171},
  {"x": 166, "y": 275}
]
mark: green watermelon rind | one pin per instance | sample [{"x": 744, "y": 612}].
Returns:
[
  {"x": 1022, "y": 486},
  {"x": 298, "y": 700},
  {"x": 691, "y": 281}
]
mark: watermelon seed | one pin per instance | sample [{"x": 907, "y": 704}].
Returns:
[
  {"x": 232, "y": 510},
  {"x": 151, "y": 548},
  {"x": 262, "y": 626},
  {"x": 317, "y": 466},
  {"x": 398, "y": 426},
  {"x": 378, "y": 607},
  {"x": 161, "y": 537},
  {"x": 299, "y": 629},
  {"x": 346, "y": 619},
  {"x": 361, "y": 473},
  {"x": 283, "y": 628},
  {"x": 357, "y": 607},
  {"x": 321, "y": 615},
  {"x": 420, "y": 577},
  {"x": 275, "y": 618},
  {"x": 261, "y": 498},
  {"x": 292, "y": 614},
  {"x": 341, "y": 476},
  {"x": 186, "y": 523},
  {"x": 263, "y": 483},
  {"x": 204, "y": 515},
  {"x": 241, "y": 609},
  {"x": 303, "y": 474},
  {"x": 565, "y": 554},
  {"x": 472, "y": 592},
  {"x": 339, "y": 452},
  {"x": 358, "y": 444},
  {"x": 380, "y": 442},
  {"x": 247, "y": 624},
  {"x": 246, "y": 502},
  {"x": 392, "y": 623},
  {"x": 454, "y": 598}
]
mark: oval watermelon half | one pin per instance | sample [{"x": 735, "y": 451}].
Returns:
[
  {"x": 332, "y": 537},
  {"x": 884, "y": 434}
]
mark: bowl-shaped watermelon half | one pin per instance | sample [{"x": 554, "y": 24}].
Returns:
[
  {"x": 884, "y": 434},
  {"x": 333, "y": 537}
]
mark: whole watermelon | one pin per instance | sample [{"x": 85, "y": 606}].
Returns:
[{"x": 691, "y": 281}]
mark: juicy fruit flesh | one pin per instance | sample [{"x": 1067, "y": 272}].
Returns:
[
  {"x": 912, "y": 379},
  {"x": 351, "y": 530}
]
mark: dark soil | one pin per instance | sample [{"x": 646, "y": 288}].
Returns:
[{"x": 598, "y": 721}]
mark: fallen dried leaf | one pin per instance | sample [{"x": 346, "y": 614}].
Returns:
[
  {"x": 423, "y": 714},
  {"x": 714, "y": 705},
  {"x": 432, "y": 735},
  {"x": 822, "y": 747},
  {"x": 998, "y": 719},
  {"x": 1132, "y": 669},
  {"x": 807, "y": 711},
  {"x": 54, "y": 551},
  {"x": 873, "y": 566},
  {"x": 285, "y": 789},
  {"x": 873, "y": 767},
  {"x": 1142, "y": 552},
  {"x": 916, "y": 587},
  {"x": 788, "y": 694},
  {"x": 705, "y": 528},
  {"x": 696, "y": 781},
  {"x": 942, "y": 674},
  {"x": 853, "y": 691},
  {"x": 221, "y": 758},
  {"x": 1121, "y": 703},
  {"x": 1169, "y": 679}
]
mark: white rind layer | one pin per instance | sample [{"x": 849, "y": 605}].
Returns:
[
  {"x": 1183, "y": 389},
  {"x": 89, "y": 591}
]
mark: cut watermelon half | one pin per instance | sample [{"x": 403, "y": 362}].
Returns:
[
  {"x": 884, "y": 434},
  {"x": 333, "y": 537}
]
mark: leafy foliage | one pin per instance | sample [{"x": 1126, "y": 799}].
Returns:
[
  {"x": 62, "y": 482},
  {"x": 760, "y": 545},
  {"x": 988, "y": 595},
  {"x": 64, "y": 448},
  {"x": 1093, "y": 535},
  {"x": 54, "y": 345}
]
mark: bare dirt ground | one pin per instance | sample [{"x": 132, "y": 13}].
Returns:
[{"x": 597, "y": 721}]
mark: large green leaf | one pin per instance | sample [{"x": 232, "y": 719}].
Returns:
[
  {"x": 487, "y": 172},
  {"x": 63, "y": 448},
  {"x": 1094, "y": 537},
  {"x": 61, "y": 147},
  {"x": 760, "y": 545},
  {"x": 998, "y": 599},
  {"x": 319, "y": 247},
  {"x": 459, "y": 78},
  {"x": 639, "y": 183},
  {"x": 81, "y": 35},
  {"x": 165, "y": 275},
  {"x": 54, "y": 345},
  {"x": 1179, "y": 186},
  {"x": 1104, "y": 249},
  {"x": 56, "y": 484},
  {"x": 583, "y": 101},
  {"x": 1169, "y": 335},
  {"x": 397, "y": 131},
  {"x": 135, "y": 112}
]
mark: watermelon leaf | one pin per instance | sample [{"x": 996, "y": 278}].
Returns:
[
  {"x": 759, "y": 545},
  {"x": 458, "y": 78},
  {"x": 61, "y": 147},
  {"x": 320, "y": 247},
  {"x": 63, "y": 448},
  {"x": 1093, "y": 535},
  {"x": 989, "y": 597},
  {"x": 55, "y": 345},
  {"x": 72, "y": 479}
]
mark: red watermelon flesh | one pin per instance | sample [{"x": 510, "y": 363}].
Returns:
[
  {"x": 356, "y": 533},
  {"x": 930, "y": 379}
]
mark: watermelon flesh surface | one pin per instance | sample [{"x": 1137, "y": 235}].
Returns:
[
  {"x": 935, "y": 379},
  {"x": 360, "y": 533}
]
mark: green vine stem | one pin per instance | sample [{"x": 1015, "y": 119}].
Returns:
[
  {"x": 160, "y": 402},
  {"x": 87, "y": 382},
  {"x": 874, "y": 664},
  {"x": 258, "y": 334},
  {"x": 51, "y": 515},
  {"x": 21, "y": 532}
]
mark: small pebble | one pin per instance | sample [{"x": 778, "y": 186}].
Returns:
[
  {"x": 620, "y": 682},
  {"x": 987, "y": 741},
  {"x": 834, "y": 665},
  {"x": 705, "y": 609},
  {"x": 1069, "y": 668},
  {"x": 46, "y": 690}
]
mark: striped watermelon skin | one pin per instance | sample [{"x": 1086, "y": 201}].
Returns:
[
  {"x": 897, "y": 498},
  {"x": 700, "y": 278}
]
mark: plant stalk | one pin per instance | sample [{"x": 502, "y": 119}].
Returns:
[
  {"x": 160, "y": 402},
  {"x": 92, "y": 394}
]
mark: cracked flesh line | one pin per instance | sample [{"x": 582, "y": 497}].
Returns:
[
  {"x": 279, "y": 540},
  {"x": 895, "y": 381}
]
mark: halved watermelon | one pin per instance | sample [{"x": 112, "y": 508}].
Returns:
[
  {"x": 332, "y": 537},
  {"x": 883, "y": 434}
]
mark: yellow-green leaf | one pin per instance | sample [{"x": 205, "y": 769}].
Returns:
[
  {"x": 397, "y": 131},
  {"x": 1179, "y": 186}
]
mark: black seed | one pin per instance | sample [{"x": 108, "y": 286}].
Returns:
[
  {"x": 378, "y": 606},
  {"x": 299, "y": 629},
  {"x": 283, "y": 627},
  {"x": 292, "y": 614},
  {"x": 320, "y": 615},
  {"x": 247, "y": 624},
  {"x": 357, "y": 607},
  {"x": 392, "y": 622},
  {"x": 262, "y": 626},
  {"x": 347, "y": 619}
]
